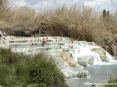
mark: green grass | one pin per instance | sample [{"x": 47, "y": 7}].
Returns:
[
  {"x": 20, "y": 70},
  {"x": 112, "y": 83}
]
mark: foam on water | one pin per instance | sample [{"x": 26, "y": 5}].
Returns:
[
  {"x": 81, "y": 48},
  {"x": 73, "y": 51}
]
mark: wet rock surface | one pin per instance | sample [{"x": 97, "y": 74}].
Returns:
[{"x": 71, "y": 56}]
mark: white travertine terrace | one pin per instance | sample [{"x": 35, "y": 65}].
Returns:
[{"x": 71, "y": 56}]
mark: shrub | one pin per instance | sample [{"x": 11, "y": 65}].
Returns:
[
  {"x": 84, "y": 24},
  {"x": 20, "y": 70},
  {"x": 79, "y": 24}
]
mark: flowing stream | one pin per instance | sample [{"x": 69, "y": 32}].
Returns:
[
  {"x": 100, "y": 64},
  {"x": 99, "y": 74}
]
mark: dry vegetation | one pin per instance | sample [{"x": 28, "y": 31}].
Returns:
[
  {"x": 79, "y": 24},
  {"x": 5, "y": 11}
]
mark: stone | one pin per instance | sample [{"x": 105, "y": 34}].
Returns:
[
  {"x": 102, "y": 53},
  {"x": 85, "y": 60}
]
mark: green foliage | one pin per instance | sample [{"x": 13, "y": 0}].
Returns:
[
  {"x": 112, "y": 83},
  {"x": 19, "y": 70}
]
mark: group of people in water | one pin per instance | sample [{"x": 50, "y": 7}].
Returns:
[{"x": 32, "y": 40}]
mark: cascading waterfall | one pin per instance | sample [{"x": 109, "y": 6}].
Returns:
[
  {"x": 111, "y": 59},
  {"x": 68, "y": 54},
  {"x": 85, "y": 51},
  {"x": 97, "y": 59}
]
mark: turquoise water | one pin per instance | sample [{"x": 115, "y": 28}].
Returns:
[{"x": 98, "y": 74}]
